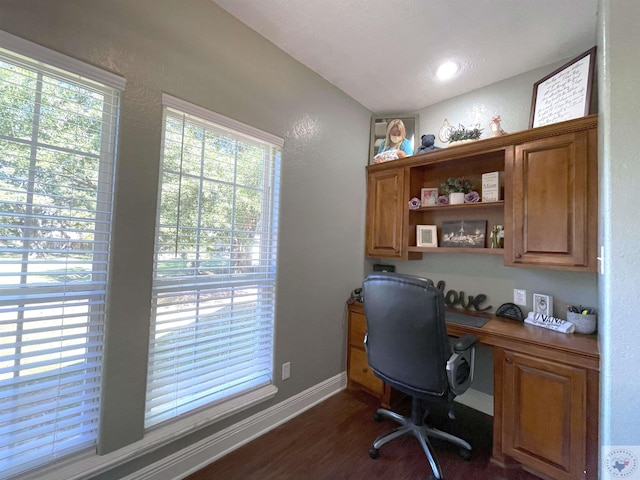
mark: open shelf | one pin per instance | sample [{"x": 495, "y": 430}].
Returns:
[
  {"x": 481, "y": 251},
  {"x": 461, "y": 206}
]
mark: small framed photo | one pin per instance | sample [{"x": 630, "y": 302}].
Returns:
[
  {"x": 428, "y": 197},
  {"x": 543, "y": 304},
  {"x": 426, "y": 236},
  {"x": 464, "y": 233}
]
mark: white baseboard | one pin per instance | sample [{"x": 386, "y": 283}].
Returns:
[
  {"x": 200, "y": 454},
  {"x": 477, "y": 400}
]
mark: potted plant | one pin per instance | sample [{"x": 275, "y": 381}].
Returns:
[
  {"x": 464, "y": 134},
  {"x": 456, "y": 188}
]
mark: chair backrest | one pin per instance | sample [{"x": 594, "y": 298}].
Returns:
[{"x": 407, "y": 342}]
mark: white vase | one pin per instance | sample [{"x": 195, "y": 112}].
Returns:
[{"x": 456, "y": 198}]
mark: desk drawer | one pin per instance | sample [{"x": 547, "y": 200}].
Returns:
[
  {"x": 357, "y": 329},
  {"x": 359, "y": 372}
]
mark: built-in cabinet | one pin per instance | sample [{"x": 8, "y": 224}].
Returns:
[
  {"x": 548, "y": 206},
  {"x": 385, "y": 211},
  {"x": 545, "y": 394},
  {"x": 544, "y": 414},
  {"x": 553, "y": 207}
]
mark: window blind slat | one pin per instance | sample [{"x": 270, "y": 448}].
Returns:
[
  {"x": 57, "y": 143},
  {"x": 213, "y": 300}
]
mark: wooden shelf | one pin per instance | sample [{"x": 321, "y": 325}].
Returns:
[
  {"x": 480, "y": 251},
  {"x": 460, "y": 206}
]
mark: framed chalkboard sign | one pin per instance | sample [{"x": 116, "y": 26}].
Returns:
[{"x": 564, "y": 94}]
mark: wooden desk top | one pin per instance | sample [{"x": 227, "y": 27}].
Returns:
[
  {"x": 519, "y": 336},
  {"x": 572, "y": 348}
]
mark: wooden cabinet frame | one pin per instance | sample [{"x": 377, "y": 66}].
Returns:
[{"x": 568, "y": 150}]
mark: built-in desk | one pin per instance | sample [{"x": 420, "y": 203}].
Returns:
[{"x": 545, "y": 393}]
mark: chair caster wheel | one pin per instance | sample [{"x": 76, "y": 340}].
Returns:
[
  {"x": 377, "y": 417},
  {"x": 465, "y": 454},
  {"x": 374, "y": 452}
]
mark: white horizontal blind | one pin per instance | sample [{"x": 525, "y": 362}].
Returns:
[
  {"x": 215, "y": 266},
  {"x": 57, "y": 144}
]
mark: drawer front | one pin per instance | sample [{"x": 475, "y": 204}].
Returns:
[
  {"x": 357, "y": 329},
  {"x": 359, "y": 372}
]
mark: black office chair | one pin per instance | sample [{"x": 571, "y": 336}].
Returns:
[{"x": 408, "y": 348}]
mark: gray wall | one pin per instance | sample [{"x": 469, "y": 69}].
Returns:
[
  {"x": 194, "y": 50},
  {"x": 619, "y": 328}
]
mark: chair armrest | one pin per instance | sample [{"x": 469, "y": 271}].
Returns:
[
  {"x": 465, "y": 342},
  {"x": 461, "y": 364}
]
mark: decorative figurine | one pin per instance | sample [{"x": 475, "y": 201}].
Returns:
[{"x": 496, "y": 129}]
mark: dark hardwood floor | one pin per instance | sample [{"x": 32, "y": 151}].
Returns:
[{"x": 331, "y": 441}]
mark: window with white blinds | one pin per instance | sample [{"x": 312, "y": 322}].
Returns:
[
  {"x": 215, "y": 262},
  {"x": 57, "y": 143}
]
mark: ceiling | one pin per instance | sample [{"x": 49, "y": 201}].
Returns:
[{"x": 384, "y": 53}]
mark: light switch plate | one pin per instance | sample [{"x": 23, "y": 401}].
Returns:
[
  {"x": 543, "y": 304},
  {"x": 520, "y": 297}
]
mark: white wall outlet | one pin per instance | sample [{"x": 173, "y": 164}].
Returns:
[
  {"x": 520, "y": 297},
  {"x": 543, "y": 304},
  {"x": 286, "y": 370}
]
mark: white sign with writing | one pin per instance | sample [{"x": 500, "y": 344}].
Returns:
[{"x": 563, "y": 96}]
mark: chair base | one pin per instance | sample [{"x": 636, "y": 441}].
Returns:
[{"x": 420, "y": 431}]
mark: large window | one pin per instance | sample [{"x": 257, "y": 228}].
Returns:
[
  {"x": 57, "y": 143},
  {"x": 215, "y": 262}
]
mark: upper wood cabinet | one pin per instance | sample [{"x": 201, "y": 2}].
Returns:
[
  {"x": 384, "y": 230},
  {"x": 549, "y": 211},
  {"x": 553, "y": 208}
]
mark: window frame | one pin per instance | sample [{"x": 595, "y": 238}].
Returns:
[{"x": 204, "y": 118}]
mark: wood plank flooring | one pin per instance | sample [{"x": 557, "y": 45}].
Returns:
[{"x": 331, "y": 440}]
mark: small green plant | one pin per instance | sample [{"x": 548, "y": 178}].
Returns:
[
  {"x": 456, "y": 184},
  {"x": 464, "y": 133}
]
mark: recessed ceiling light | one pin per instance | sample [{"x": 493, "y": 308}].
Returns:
[{"x": 447, "y": 70}]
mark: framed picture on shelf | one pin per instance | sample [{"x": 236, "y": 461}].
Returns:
[
  {"x": 464, "y": 233},
  {"x": 426, "y": 236},
  {"x": 564, "y": 94},
  {"x": 428, "y": 197},
  {"x": 379, "y": 131}
]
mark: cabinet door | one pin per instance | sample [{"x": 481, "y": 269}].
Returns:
[
  {"x": 544, "y": 415},
  {"x": 553, "y": 207},
  {"x": 385, "y": 213}
]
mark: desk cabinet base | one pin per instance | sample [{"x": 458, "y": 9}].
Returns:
[
  {"x": 545, "y": 394},
  {"x": 547, "y": 416}
]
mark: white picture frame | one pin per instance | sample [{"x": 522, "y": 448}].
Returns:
[
  {"x": 426, "y": 236},
  {"x": 543, "y": 304}
]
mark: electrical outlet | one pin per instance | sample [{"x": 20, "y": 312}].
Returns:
[
  {"x": 286, "y": 370},
  {"x": 520, "y": 297}
]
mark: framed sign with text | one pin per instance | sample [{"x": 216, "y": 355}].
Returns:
[{"x": 564, "y": 94}]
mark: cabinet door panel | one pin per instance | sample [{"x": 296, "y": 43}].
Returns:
[
  {"x": 544, "y": 415},
  {"x": 554, "y": 189},
  {"x": 385, "y": 210}
]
